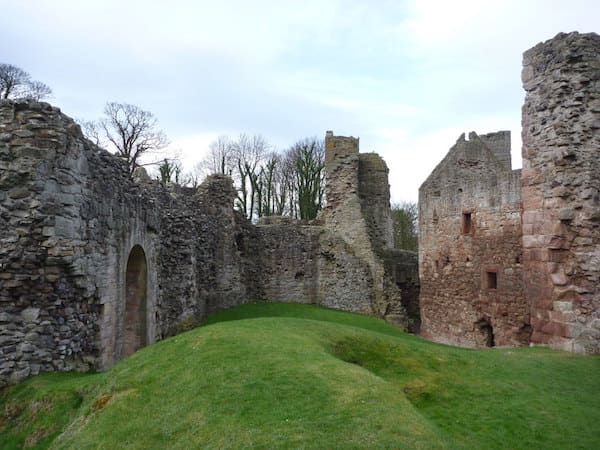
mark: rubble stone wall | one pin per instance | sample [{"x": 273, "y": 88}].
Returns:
[
  {"x": 403, "y": 267},
  {"x": 70, "y": 216},
  {"x": 207, "y": 255},
  {"x": 561, "y": 191},
  {"x": 354, "y": 215},
  {"x": 68, "y": 221},
  {"x": 374, "y": 192},
  {"x": 290, "y": 260},
  {"x": 310, "y": 264},
  {"x": 95, "y": 264}
]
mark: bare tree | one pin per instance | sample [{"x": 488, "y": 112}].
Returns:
[
  {"x": 288, "y": 194},
  {"x": 11, "y": 78},
  {"x": 266, "y": 187},
  {"x": 268, "y": 182},
  {"x": 36, "y": 90},
  {"x": 132, "y": 132},
  {"x": 91, "y": 130},
  {"x": 220, "y": 157},
  {"x": 15, "y": 82}
]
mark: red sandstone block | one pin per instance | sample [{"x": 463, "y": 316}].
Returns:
[
  {"x": 555, "y": 242},
  {"x": 531, "y": 241},
  {"x": 537, "y": 337},
  {"x": 537, "y": 323},
  {"x": 531, "y": 200},
  {"x": 557, "y": 316},
  {"x": 559, "y": 278},
  {"x": 548, "y": 327},
  {"x": 529, "y": 217}
]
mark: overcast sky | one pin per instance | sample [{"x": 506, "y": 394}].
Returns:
[{"x": 407, "y": 77}]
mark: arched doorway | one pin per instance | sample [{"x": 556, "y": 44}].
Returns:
[{"x": 136, "y": 281}]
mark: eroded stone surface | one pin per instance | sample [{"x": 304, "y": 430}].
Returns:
[
  {"x": 72, "y": 221},
  {"x": 542, "y": 257},
  {"x": 561, "y": 190},
  {"x": 470, "y": 247}
]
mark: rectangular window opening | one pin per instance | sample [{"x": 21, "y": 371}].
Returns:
[
  {"x": 492, "y": 280},
  {"x": 467, "y": 223}
]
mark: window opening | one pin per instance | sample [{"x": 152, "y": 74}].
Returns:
[
  {"x": 492, "y": 280},
  {"x": 467, "y": 223}
]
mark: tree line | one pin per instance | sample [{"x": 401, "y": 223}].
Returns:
[{"x": 268, "y": 182}]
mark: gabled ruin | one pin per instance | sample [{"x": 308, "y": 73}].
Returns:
[{"x": 512, "y": 257}]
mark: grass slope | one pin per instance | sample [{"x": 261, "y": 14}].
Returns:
[{"x": 275, "y": 375}]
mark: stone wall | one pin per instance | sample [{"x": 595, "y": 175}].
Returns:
[
  {"x": 290, "y": 259},
  {"x": 470, "y": 247},
  {"x": 561, "y": 191},
  {"x": 309, "y": 264},
  {"x": 95, "y": 264},
  {"x": 338, "y": 261},
  {"x": 403, "y": 268},
  {"x": 69, "y": 218},
  {"x": 356, "y": 216},
  {"x": 207, "y": 255},
  {"x": 528, "y": 274},
  {"x": 374, "y": 193}
]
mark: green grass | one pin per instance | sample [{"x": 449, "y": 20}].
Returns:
[{"x": 275, "y": 375}]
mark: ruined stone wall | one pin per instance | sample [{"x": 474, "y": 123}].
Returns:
[
  {"x": 95, "y": 265},
  {"x": 356, "y": 217},
  {"x": 499, "y": 144},
  {"x": 289, "y": 260},
  {"x": 310, "y": 264},
  {"x": 374, "y": 193},
  {"x": 72, "y": 221},
  {"x": 403, "y": 267},
  {"x": 338, "y": 261},
  {"x": 470, "y": 247},
  {"x": 68, "y": 220},
  {"x": 561, "y": 191},
  {"x": 207, "y": 256}
]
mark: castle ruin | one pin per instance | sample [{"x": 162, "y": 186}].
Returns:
[
  {"x": 95, "y": 265},
  {"x": 512, "y": 257}
]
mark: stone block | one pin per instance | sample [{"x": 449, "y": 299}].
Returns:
[{"x": 30, "y": 314}]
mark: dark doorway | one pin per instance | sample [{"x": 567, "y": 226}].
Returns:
[
  {"x": 135, "y": 301},
  {"x": 487, "y": 332}
]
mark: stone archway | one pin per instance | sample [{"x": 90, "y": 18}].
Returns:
[{"x": 136, "y": 287}]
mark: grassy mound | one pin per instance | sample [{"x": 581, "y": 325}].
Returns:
[{"x": 297, "y": 376}]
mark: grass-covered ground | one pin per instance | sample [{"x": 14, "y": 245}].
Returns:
[{"x": 297, "y": 376}]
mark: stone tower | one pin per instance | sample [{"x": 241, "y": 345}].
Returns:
[
  {"x": 561, "y": 191},
  {"x": 358, "y": 210}
]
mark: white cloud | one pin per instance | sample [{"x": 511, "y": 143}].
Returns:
[{"x": 407, "y": 77}]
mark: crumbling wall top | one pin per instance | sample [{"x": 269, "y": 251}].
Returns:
[
  {"x": 566, "y": 50},
  {"x": 339, "y": 147}
]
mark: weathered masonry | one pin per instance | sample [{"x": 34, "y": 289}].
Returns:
[
  {"x": 470, "y": 246},
  {"x": 95, "y": 265},
  {"x": 512, "y": 257}
]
